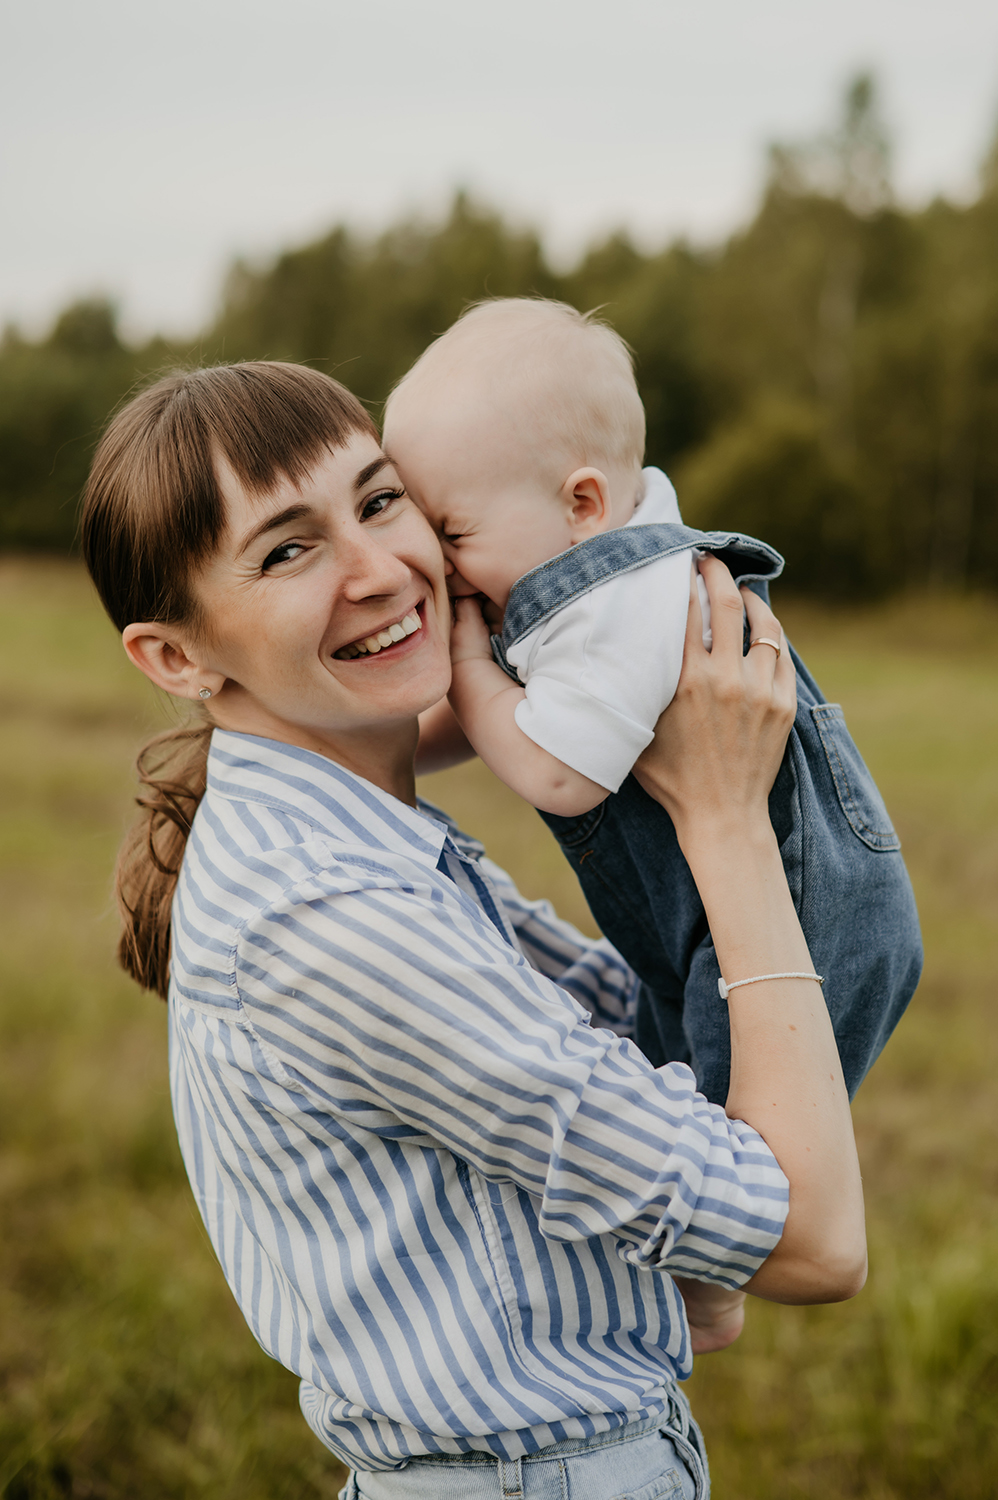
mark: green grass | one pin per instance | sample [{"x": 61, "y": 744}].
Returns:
[{"x": 125, "y": 1369}]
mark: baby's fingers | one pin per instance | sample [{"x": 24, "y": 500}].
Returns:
[
  {"x": 468, "y": 611},
  {"x": 470, "y": 635}
]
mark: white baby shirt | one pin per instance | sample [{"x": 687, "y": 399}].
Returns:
[{"x": 599, "y": 672}]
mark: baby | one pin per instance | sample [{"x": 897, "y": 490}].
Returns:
[{"x": 520, "y": 433}]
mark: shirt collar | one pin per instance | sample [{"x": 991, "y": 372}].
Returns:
[
  {"x": 658, "y": 502},
  {"x": 342, "y": 805},
  {"x": 470, "y": 847}
]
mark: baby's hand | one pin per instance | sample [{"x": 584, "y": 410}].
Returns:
[{"x": 470, "y": 639}]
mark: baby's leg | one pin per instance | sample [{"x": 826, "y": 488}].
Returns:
[
  {"x": 640, "y": 891},
  {"x": 849, "y": 881}
]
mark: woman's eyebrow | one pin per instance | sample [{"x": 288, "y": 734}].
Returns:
[
  {"x": 298, "y": 512},
  {"x": 368, "y": 472}
]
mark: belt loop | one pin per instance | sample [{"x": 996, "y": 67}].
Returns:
[
  {"x": 511, "y": 1478},
  {"x": 682, "y": 1410}
]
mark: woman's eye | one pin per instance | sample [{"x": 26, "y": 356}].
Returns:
[
  {"x": 286, "y": 552},
  {"x": 377, "y": 504}
]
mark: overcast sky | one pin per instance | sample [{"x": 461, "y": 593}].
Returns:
[{"x": 142, "y": 145}]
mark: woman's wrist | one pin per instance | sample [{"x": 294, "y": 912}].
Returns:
[
  {"x": 725, "y": 837},
  {"x": 743, "y": 886}
]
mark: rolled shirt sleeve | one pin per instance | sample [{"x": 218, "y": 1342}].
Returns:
[{"x": 442, "y": 1031}]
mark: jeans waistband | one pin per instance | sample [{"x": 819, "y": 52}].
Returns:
[{"x": 674, "y": 1414}]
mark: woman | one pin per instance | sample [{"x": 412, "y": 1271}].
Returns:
[{"x": 443, "y": 1188}]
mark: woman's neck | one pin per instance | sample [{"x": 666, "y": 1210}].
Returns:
[
  {"x": 385, "y": 757},
  {"x": 381, "y": 754}
]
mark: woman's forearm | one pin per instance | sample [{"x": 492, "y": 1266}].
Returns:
[
  {"x": 712, "y": 764},
  {"x": 786, "y": 1079}
]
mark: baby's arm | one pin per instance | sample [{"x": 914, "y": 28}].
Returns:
[{"x": 484, "y": 700}]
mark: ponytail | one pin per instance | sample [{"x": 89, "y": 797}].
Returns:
[
  {"x": 153, "y": 513},
  {"x": 172, "y": 771}
]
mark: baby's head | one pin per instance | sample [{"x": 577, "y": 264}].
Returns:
[{"x": 519, "y": 432}]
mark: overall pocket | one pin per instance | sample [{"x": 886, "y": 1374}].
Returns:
[{"x": 858, "y": 797}]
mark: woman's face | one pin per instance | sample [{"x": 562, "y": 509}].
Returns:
[{"x": 326, "y": 607}]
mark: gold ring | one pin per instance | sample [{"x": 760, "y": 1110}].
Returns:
[{"x": 763, "y": 640}]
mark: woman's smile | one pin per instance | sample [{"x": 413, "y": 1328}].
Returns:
[{"x": 385, "y": 640}]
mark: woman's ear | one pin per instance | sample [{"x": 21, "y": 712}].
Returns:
[
  {"x": 586, "y": 496},
  {"x": 158, "y": 651}
]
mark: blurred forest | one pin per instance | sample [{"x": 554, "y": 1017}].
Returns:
[{"x": 826, "y": 379}]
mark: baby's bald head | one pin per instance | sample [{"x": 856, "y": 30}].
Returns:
[
  {"x": 556, "y": 386},
  {"x": 518, "y": 432}
]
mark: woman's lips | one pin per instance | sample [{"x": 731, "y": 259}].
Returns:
[{"x": 383, "y": 639}]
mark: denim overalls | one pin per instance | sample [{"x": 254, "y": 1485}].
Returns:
[{"x": 840, "y": 853}]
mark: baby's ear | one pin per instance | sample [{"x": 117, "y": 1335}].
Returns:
[{"x": 586, "y": 494}]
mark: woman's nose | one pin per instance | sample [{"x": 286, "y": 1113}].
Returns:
[{"x": 372, "y": 568}]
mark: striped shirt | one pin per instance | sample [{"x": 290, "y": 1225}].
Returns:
[{"x": 443, "y": 1186}]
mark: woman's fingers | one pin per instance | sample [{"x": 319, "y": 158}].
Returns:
[
  {"x": 720, "y": 743},
  {"x": 725, "y": 606},
  {"x": 762, "y": 621},
  {"x": 775, "y": 666}
]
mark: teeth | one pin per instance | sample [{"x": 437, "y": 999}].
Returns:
[{"x": 372, "y": 644}]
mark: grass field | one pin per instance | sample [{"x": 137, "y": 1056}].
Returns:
[{"x": 125, "y": 1369}]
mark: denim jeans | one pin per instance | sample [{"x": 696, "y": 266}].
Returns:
[
  {"x": 660, "y": 1458},
  {"x": 840, "y": 853}
]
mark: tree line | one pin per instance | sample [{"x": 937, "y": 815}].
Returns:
[{"x": 827, "y": 378}]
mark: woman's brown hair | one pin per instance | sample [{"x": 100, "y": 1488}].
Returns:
[{"x": 153, "y": 514}]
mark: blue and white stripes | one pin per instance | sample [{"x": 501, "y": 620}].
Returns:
[{"x": 441, "y": 1183}]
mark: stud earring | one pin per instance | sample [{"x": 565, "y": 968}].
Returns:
[{"x": 204, "y": 693}]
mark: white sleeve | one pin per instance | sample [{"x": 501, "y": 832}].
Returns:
[{"x": 599, "y": 672}]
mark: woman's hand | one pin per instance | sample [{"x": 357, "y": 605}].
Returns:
[
  {"x": 716, "y": 1315},
  {"x": 718, "y": 746}
]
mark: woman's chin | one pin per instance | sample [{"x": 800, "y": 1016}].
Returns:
[{"x": 342, "y": 698}]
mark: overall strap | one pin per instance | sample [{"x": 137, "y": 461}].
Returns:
[{"x": 543, "y": 591}]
